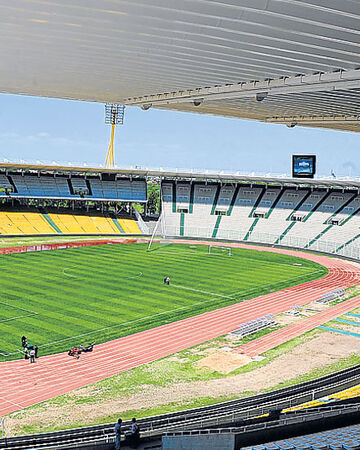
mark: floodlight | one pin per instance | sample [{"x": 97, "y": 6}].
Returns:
[
  {"x": 260, "y": 96},
  {"x": 114, "y": 114},
  {"x": 198, "y": 101}
]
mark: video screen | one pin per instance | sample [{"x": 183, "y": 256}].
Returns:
[{"x": 303, "y": 166}]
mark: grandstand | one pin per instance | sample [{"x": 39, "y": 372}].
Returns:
[
  {"x": 50, "y": 201},
  {"x": 318, "y": 216},
  {"x": 41, "y": 186}
]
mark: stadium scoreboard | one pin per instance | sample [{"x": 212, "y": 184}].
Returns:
[{"x": 303, "y": 166}]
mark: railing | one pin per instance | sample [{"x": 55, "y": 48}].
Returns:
[
  {"x": 223, "y": 413},
  {"x": 350, "y": 251}
]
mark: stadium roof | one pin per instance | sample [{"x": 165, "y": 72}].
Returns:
[
  {"x": 183, "y": 174},
  {"x": 282, "y": 61}
]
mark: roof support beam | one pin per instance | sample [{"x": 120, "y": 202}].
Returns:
[{"x": 259, "y": 90}]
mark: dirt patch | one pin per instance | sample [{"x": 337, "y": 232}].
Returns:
[
  {"x": 285, "y": 319},
  {"x": 323, "y": 350},
  {"x": 316, "y": 306},
  {"x": 224, "y": 362}
]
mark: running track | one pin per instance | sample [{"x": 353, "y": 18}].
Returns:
[{"x": 22, "y": 384}]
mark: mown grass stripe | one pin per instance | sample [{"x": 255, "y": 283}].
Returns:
[{"x": 103, "y": 299}]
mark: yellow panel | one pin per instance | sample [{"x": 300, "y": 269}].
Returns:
[
  {"x": 129, "y": 226},
  {"x": 86, "y": 224},
  {"x": 105, "y": 225},
  {"x": 66, "y": 223},
  {"x": 35, "y": 223}
]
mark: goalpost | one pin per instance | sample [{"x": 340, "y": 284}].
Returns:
[{"x": 217, "y": 249}]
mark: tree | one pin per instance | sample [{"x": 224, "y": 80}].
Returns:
[{"x": 153, "y": 205}]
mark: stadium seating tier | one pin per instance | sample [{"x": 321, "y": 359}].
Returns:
[
  {"x": 318, "y": 219},
  {"x": 33, "y": 222}
]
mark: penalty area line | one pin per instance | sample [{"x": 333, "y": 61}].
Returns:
[
  {"x": 67, "y": 274},
  {"x": 201, "y": 291}
]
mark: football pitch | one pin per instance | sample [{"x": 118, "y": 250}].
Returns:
[{"x": 63, "y": 298}]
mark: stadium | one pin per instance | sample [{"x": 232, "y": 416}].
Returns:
[{"x": 220, "y": 309}]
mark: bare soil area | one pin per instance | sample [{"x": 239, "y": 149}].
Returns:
[
  {"x": 284, "y": 319},
  {"x": 224, "y": 362},
  {"x": 323, "y": 350}
]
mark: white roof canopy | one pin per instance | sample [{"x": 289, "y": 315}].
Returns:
[{"x": 283, "y": 61}]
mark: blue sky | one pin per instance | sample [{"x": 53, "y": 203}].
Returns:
[{"x": 40, "y": 129}]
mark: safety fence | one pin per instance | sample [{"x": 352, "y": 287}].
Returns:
[{"x": 349, "y": 250}]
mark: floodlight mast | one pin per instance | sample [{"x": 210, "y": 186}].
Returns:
[{"x": 114, "y": 115}]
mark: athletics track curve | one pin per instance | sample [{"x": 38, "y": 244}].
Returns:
[{"x": 23, "y": 384}]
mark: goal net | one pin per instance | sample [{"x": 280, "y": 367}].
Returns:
[
  {"x": 219, "y": 250},
  {"x": 158, "y": 237}
]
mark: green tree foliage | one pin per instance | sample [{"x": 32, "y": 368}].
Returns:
[{"x": 153, "y": 205}]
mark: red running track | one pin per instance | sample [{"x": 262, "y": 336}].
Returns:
[{"x": 22, "y": 384}]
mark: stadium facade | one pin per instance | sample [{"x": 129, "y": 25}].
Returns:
[{"x": 315, "y": 214}]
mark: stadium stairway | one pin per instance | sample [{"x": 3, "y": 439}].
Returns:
[
  {"x": 348, "y": 243},
  {"x": 51, "y": 222},
  {"x": 234, "y": 197},
  {"x": 118, "y": 226}
]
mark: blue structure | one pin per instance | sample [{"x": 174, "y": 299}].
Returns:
[
  {"x": 77, "y": 188},
  {"x": 340, "y": 438}
]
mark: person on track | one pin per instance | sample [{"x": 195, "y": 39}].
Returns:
[
  {"x": 36, "y": 348},
  {"x": 118, "y": 434}
]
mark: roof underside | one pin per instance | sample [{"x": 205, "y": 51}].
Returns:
[
  {"x": 183, "y": 175},
  {"x": 134, "y": 51}
]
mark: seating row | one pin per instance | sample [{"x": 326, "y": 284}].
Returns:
[
  {"x": 31, "y": 186},
  {"x": 331, "y": 296},
  {"x": 340, "y": 438},
  {"x": 300, "y": 217},
  {"x": 253, "y": 326},
  {"x": 34, "y": 222}
]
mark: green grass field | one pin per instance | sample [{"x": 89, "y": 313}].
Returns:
[{"x": 67, "y": 297}]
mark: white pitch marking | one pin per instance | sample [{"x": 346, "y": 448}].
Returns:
[
  {"x": 67, "y": 274},
  {"x": 201, "y": 291}
]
